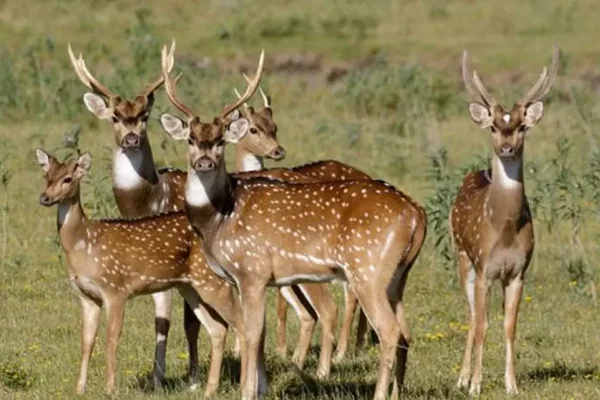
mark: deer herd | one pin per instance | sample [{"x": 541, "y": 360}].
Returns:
[{"x": 221, "y": 239}]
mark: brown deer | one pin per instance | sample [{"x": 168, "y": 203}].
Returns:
[
  {"x": 141, "y": 189},
  {"x": 110, "y": 261},
  {"x": 261, "y": 232},
  {"x": 491, "y": 222},
  {"x": 311, "y": 302}
]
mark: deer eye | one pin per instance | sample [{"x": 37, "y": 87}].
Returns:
[
  {"x": 115, "y": 120},
  {"x": 522, "y": 128},
  {"x": 493, "y": 129},
  {"x": 67, "y": 179},
  {"x": 190, "y": 141},
  {"x": 221, "y": 142},
  {"x": 145, "y": 118},
  {"x": 253, "y": 130}
]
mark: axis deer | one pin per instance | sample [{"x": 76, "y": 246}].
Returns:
[
  {"x": 311, "y": 302},
  {"x": 316, "y": 295},
  {"x": 110, "y": 261},
  {"x": 259, "y": 233},
  {"x": 491, "y": 222},
  {"x": 141, "y": 189}
]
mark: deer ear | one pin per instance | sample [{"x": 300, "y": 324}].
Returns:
[
  {"x": 481, "y": 115},
  {"x": 97, "y": 105},
  {"x": 234, "y": 115},
  {"x": 236, "y": 130},
  {"x": 174, "y": 126},
  {"x": 533, "y": 113},
  {"x": 84, "y": 163},
  {"x": 44, "y": 159}
]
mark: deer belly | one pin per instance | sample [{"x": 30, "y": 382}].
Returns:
[
  {"x": 334, "y": 274},
  {"x": 506, "y": 263},
  {"x": 86, "y": 287}
]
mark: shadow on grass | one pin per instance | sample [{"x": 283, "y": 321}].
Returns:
[
  {"x": 230, "y": 375},
  {"x": 561, "y": 372}
]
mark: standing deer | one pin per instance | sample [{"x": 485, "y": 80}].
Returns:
[
  {"x": 259, "y": 233},
  {"x": 110, "y": 261},
  {"x": 311, "y": 302},
  {"x": 141, "y": 189},
  {"x": 491, "y": 222}
]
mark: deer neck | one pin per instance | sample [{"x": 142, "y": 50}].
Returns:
[
  {"x": 71, "y": 223},
  {"x": 134, "y": 170},
  {"x": 208, "y": 198},
  {"x": 246, "y": 161},
  {"x": 506, "y": 196}
]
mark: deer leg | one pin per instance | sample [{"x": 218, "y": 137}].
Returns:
[
  {"x": 217, "y": 330},
  {"x": 350, "y": 303},
  {"x": 89, "y": 329},
  {"x": 253, "y": 307},
  {"x": 405, "y": 336},
  {"x": 307, "y": 324},
  {"x": 481, "y": 325},
  {"x": 281, "y": 307},
  {"x": 115, "y": 309},
  {"x": 512, "y": 299},
  {"x": 322, "y": 302},
  {"x": 467, "y": 280},
  {"x": 361, "y": 329},
  {"x": 162, "y": 322},
  {"x": 191, "y": 325},
  {"x": 378, "y": 310}
]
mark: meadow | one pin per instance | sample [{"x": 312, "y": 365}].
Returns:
[{"x": 375, "y": 84}]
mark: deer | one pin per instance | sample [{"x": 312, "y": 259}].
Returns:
[
  {"x": 311, "y": 302},
  {"x": 491, "y": 223},
  {"x": 141, "y": 189},
  {"x": 111, "y": 261},
  {"x": 262, "y": 232}
]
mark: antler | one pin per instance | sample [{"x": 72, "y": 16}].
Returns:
[
  {"x": 252, "y": 86},
  {"x": 266, "y": 99},
  {"x": 240, "y": 96},
  {"x": 474, "y": 85},
  {"x": 167, "y": 62},
  {"x": 544, "y": 83},
  {"x": 158, "y": 83},
  {"x": 86, "y": 77}
]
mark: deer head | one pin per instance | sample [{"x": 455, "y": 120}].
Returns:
[
  {"x": 262, "y": 137},
  {"x": 508, "y": 127},
  {"x": 206, "y": 139},
  {"x": 61, "y": 179},
  {"x": 128, "y": 117}
]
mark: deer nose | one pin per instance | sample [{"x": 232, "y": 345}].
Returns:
[
  {"x": 131, "y": 140},
  {"x": 204, "y": 164},
  {"x": 507, "y": 150},
  {"x": 45, "y": 200},
  {"x": 278, "y": 153}
]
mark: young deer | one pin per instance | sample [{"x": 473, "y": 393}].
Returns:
[
  {"x": 491, "y": 223},
  {"x": 110, "y": 261},
  {"x": 141, "y": 189},
  {"x": 261, "y": 232}
]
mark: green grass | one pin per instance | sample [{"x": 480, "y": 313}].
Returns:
[{"x": 402, "y": 118}]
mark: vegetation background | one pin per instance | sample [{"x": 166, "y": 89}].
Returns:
[{"x": 372, "y": 83}]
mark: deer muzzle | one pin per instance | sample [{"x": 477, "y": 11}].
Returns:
[
  {"x": 45, "y": 200},
  {"x": 204, "y": 164},
  {"x": 277, "y": 154},
  {"x": 507, "y": 150},
  {"x": 131, "y": 141}
]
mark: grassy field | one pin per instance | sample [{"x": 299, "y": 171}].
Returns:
[{"x": 377, "y": 86}]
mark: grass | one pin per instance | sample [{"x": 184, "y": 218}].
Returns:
[{"x": 401, "y": 117}]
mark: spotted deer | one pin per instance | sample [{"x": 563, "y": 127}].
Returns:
[
  {"x": 261, "y": 232},
  {"x": 491, "y": 222},
  {"x": 311, "y": 302},
  {"x": 111, "y": 261},
  {"x": 140, "y": 189}
]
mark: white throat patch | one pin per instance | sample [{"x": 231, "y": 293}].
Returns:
[
  {"x": 508, "y": 172},
  {"x": 125, "y": 167},
  {"x": 200, "y": 188},
  {"x": 250, "y": 162}
]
